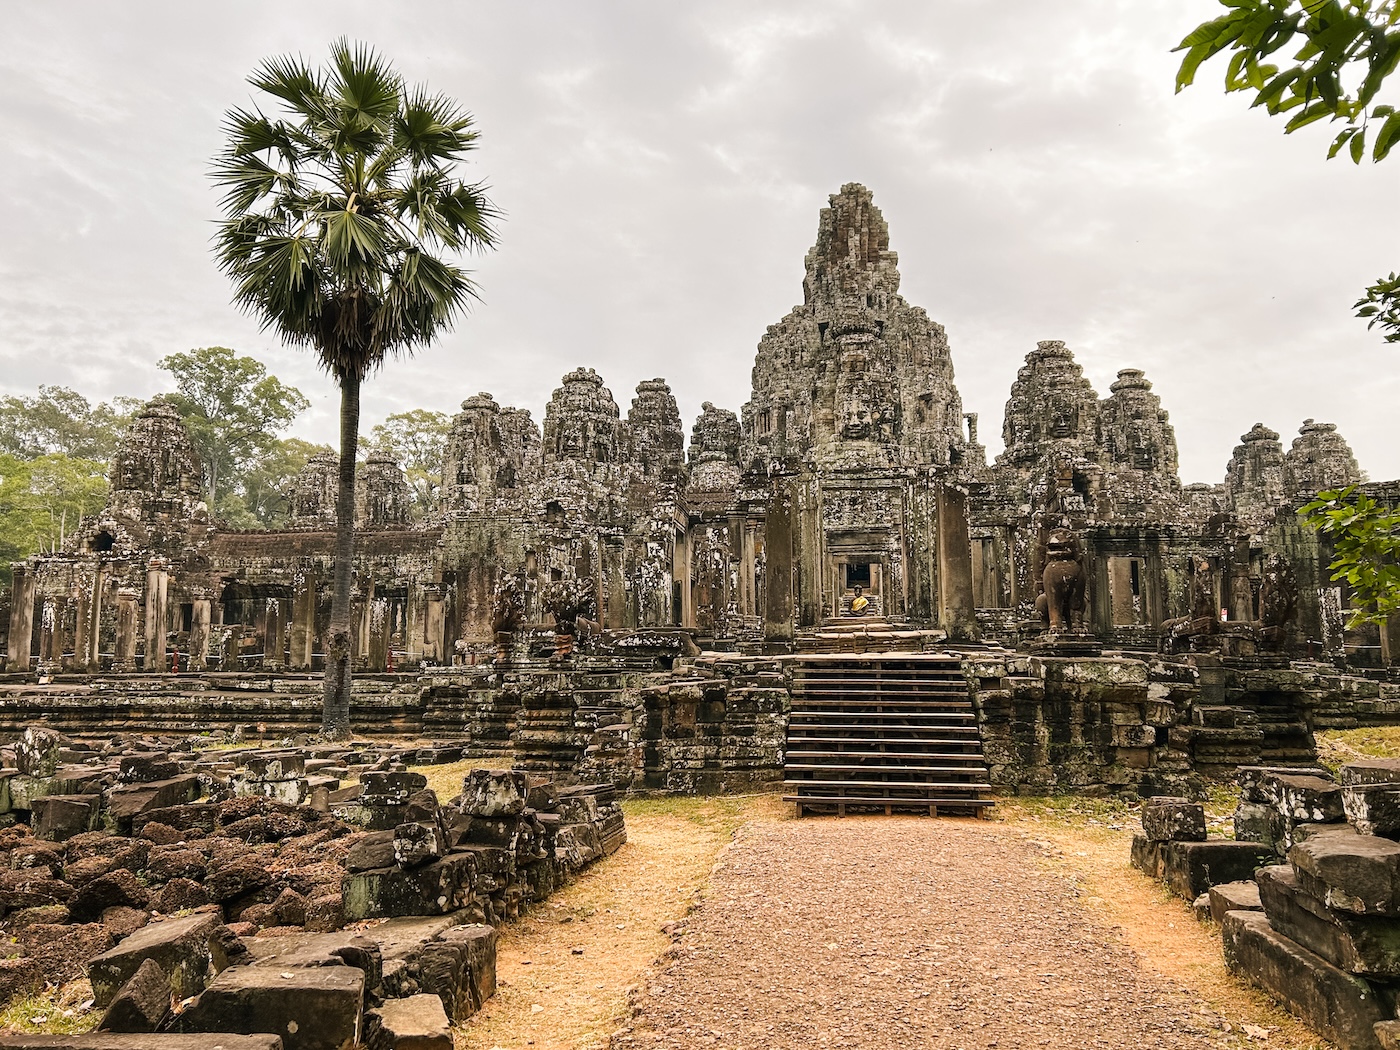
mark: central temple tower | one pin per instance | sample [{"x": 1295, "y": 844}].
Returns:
[{"x": 853, "y": 444}]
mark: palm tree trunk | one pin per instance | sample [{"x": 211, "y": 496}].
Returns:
[{"x": 335, "y": 717}]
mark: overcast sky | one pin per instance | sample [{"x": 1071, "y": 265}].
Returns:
[{"x": 662, "y": 165}]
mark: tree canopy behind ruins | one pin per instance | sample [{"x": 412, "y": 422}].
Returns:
[{"x": 338, "y": 215}]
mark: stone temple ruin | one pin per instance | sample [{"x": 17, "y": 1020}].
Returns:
[
  {"x": 852, "y": 464},
  {"x": 619, "y": 605},
  {"x": 832, "y": 590}
]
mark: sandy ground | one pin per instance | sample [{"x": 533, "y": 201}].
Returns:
[{"x": 868, "y": 932}]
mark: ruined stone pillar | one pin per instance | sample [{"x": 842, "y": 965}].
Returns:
[
  {"x": 379, "y": 629},
  {"x": 125, "y": 657},
  {"x": 157, "y": 615},
  {"x": 747, "y": 558},
  {"x": 273, "y": 635},
  {"x": 303, "y": 620},
  {"x": 200, "y": 615},
  {"x": 76, "y": 660},
  {"x": 956, "y": 612},
  {"x": 87, "y": 645},
  {"x": 433, "y": 614},
  {"x": 777, "y": 547},
  {"x": 1390, "y": 640},
  {"x": 21, "y": 641},
  {"x": 49, "y": 647}
]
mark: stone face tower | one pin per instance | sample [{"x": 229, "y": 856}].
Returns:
[
  {"x": 856, "y": 429},
  {"x": 1319, "y": 459},
  {"x": 155, "y": 478},
  {"x": 855, "y": 376}
]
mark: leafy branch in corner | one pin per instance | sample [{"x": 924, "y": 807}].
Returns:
[{"x": 1365, "y": 538}]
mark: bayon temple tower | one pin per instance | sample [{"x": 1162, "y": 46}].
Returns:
[{"x": 852, "y": 465}]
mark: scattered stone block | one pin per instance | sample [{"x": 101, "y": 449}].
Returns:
[
  {"x": 60, "y": 817},
  {"x": 1233, "y": 896},
  {"x": 116, "y": 889},
  {"x": 142, "y": 1003},
  {"x": 310, "y": 1008},
  {"x": 373, "y": 849},
  {"x": 1322, "y": 996},
  {"x": 1191, "y": 868},
  {"x": 1373, "y": 809},
  {"x": 1370, "y": 771},
  {"x": 431, "y": 889},
  {"x": 418, "y": 843},
  {"x": 190, "y": 950},
  {"x": 146, "y": 768},
  {"x": 1352, "y": 872},
  {"x": 386, "y": 788},
  {"x": 1168, "y": 819},
  {"x": 1367, "y": 946},
  {"x": 1304, "y": 797},
  {"x": 124, "y": 804},
  {"x": 494, "y": 793},
  {"x": 416, "y": 1023}
]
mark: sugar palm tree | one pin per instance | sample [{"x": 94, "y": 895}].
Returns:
[{"x": 338, "y": 210}]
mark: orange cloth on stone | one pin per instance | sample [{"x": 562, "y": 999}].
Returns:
[{"x": 858, "y": 604}]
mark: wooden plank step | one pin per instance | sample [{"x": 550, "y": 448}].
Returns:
[
  {"x": 879, "y": 719},
  {"x": 868, "y": 769},
  {"x": 795, "y": 756},
  {"x": 859, "y": 705},
  {"x": 888, "y": 784},
  {"x": 856, "y": 800}
]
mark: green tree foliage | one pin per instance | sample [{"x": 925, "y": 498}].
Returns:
[
  {"x": 339, "y": 209},
  {"x": 1366, "y": 541},
  {"x": 232, "y": 409},
  {"x": 43, "y": 499},
  {"x": 1312, "y": 60},
  {"x": 260, "y": 501},
  {"x": 62, "y": 421},
  {"x": 416, "y": 440}
]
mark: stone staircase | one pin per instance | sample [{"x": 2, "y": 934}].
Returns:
[{"x": 883, "y": 732}]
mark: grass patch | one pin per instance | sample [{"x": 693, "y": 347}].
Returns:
[
  {"x": 446, "y": 779},
  {"x": 57, "y": 1011},
  {"x": 1337, "y": 747}
]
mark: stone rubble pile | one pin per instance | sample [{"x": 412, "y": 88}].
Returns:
[
  {"x": 1320, "y": 931},
  {"x": 1175, "y": 848},
  {"x": 259, "y": 896}
]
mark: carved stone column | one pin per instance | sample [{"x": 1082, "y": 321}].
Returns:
[
  {"x": 157, "y": 615},
  {"x": 200, "y": 615},
  {"x": 273, "y": 634},
  {"x": 433, "y": 616},
  {"x": 87, "y": 644},
  {"x": 303, "y": 619},
  {"x": 50, "y": 648},
  {"x": 380, "y": 625},
  {"x": 125, "y": 657},
  {"x": 21, "y": 641}
]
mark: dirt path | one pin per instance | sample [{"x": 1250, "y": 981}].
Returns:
[
  {"x": 564, "y": 971},
  {"x": 908, "y": 932}
]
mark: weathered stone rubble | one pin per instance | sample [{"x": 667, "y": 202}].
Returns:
[
  {"x": 312, "y": 893},
  {"x": 1315, "y": 917}
]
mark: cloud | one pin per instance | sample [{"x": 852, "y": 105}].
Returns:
[{"x": 662, "y": 166}]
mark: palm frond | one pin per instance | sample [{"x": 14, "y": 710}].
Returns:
[{"x": 336, "y": 207}]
